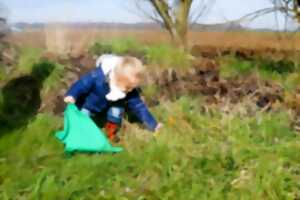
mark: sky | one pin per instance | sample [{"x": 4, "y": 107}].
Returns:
[{"x": 124, "y": 11}]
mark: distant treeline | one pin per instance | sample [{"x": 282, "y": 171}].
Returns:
[{"x": 229, "y": 26}]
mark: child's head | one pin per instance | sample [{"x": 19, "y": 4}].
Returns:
[
  {"x": 126, "y": 76},
  {"x": 128, "y": 73}
]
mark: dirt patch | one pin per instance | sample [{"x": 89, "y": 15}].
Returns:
[
  {"x": 74, "y": 68},
  {"x": 212, "y": 52},
  {"x": 203, "y": 79}
]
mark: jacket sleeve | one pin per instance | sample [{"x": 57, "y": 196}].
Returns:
[
  {"x": 82, "y": 86},
  {"x": 140, "y": 110}
]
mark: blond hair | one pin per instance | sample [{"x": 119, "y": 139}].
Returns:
[{"x": 129, "y": 72}]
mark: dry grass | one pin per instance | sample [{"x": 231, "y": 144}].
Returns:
[
  {"x": 62, "y": 39},
  {"x": 251, "y": 40}
]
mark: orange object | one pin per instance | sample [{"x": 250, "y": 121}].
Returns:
[
  {"x": 111, "y": 130},
  {"x": 171, "y": 120}
]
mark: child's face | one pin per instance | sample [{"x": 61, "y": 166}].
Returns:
[{"x": 127, "y": 83}]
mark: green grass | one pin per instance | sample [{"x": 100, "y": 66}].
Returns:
[
  {"x": 28, "y": 57},
  {"x": 150, "y": 91},
  {"x": 117, "y": 46},
  {"x": 161, "y": 55},
  {"x": 165, "y": 55},
  {"x": 232, "y": 66},
  {"x": 54, "y": 78},
  {"x": 196, "y": 156},
  {"x": 283, "y": 72},
  {"x": 3, "y": 73}
]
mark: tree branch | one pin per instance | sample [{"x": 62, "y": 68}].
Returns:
[
  {"x": 163, "y": 10},
  {"x": 201, "y": 9},
  {"x": 152, "y": 16},
  {"x": 252, "y": 16}
]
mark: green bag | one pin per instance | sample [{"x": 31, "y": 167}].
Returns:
[{"x": 82, "y": 134}]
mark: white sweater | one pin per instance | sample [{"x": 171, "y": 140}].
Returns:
[{"x": 108, "y": 62}]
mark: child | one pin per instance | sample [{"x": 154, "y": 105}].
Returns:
[{"x": 113, "y": 85}]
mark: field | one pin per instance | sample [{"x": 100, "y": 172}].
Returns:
[
  {"x": 70, "y": 37},
  {"x": 231, "y": 120}
]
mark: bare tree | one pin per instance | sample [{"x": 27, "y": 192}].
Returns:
[
  {"x": 290, "y": 8},
  {"x": 174, "y": 15}
]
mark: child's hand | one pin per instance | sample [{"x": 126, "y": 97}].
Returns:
[
  {"x": 156, "y": 131},
  {"x": 159, "y": 126},
  {"x": 69, "y": 99}
]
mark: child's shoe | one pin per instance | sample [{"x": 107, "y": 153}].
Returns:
[{"x": 111, "y": 131}]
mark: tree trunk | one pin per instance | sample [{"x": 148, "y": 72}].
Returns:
[
  {"x": 182, "y": 21},
  {"x": 178, "y": 39},
  {"x": 296, "y": 8},
  {"x": 176, "y": 25}
]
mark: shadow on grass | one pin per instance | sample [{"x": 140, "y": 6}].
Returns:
[{"x": 21, "y": 97}]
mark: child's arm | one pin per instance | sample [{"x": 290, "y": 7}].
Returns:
[
  {"x": 139, "y": 108},
  {"x": 80, "y": 87}
]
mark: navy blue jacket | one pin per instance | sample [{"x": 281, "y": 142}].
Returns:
[{"x": 93, "y": 86}]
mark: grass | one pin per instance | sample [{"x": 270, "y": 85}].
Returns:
[
  {"x": 196, "y": 156},
  {"x": 2, "y": 72},
  {"x": 164, "y": 55},
  {"x": 159, "y": 55},
  {"x": 53, "y": 80},
  {"x": 117, "y": 46},
  {"x": 232, "y": 66},
  {"x": 28, "y": 57},
  {"x": 31, "y": 59},
  {"x": 150, "y": 92},
  {"x": 283, "y": 72}
]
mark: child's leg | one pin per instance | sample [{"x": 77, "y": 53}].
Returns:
[
  {"x": 114, "y": 121},
  {"x": 86, "y": 111}
]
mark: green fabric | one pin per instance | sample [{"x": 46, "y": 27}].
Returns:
[{"x": 82, "y": 134}]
